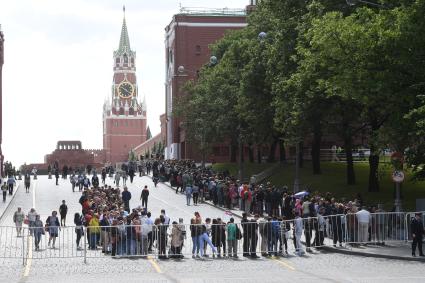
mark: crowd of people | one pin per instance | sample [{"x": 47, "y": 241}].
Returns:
[{"x": 270, "y": 217}]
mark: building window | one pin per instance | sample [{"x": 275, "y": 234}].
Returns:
[
  {"x": 116, "y": 123},
  {"x": 198, "y": 50},
  {"x": 117, "y": 61},
  {"x": 125, "y": 58},
  {"x": 132, "y": 61}
]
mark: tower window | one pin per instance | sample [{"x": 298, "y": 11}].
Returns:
[
  {"x": 125, "y": 58},
  {"x": 117, "y": 60}
]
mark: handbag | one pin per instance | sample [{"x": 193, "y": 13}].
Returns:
[{"x": 26, "y": 221}]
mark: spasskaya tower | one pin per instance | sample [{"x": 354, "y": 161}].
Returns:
[{"x": 124, "y": 115}]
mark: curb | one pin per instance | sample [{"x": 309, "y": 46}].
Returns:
[
  {"x": 348, "y": 252},
  {"x": 206, "y": 202},
  {"x": 12, "y": 198}
]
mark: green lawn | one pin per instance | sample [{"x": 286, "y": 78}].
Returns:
[
  {"x": 248, "y": 170},
  {"x": 333, "y": 180}
]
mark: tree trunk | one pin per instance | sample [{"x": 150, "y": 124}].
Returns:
[
  {"x": 315, "y": 148},
  {"x": 258, "y": 154},
  {"x": 373, "y": 171},
  {"x": 301, "y": 154},
  {"x": 282, "y": 153},
  {"x": 233, "y": 151},
  {"x": 251, "y": 153},
  {"x": 348, "y": 148},
  {"x": 272, "y": 152},
  {"x": 373, "y": 158}
]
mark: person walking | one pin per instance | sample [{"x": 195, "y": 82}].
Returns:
[
  {"x": 417, "y": 228},
  {"x": 38, "y": 231},
  {"x": 117, "y": 178},
  {"x": 79, "y": 229},
  {"x": 57, "y": 177},
  {"x": 74, "y": 180},
  {"x": 18, "y": 219},
  {"x": 53, "y": 227},
  {"x": 31, "y": 220},
  {"x": 63, "y": 210},
  {"x": 144, "y": 197},
  {"x": 188, "y": 193},
  {"x": 195, "y": 194},
  {"x": 10, "y": 184},
  {"x": 4, "y": 191},
  {"x": 27, "y": 180},
  {"x": 126, "y": 196}
]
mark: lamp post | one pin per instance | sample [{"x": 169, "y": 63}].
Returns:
[
  {"x": 240, "y": 163},
  {"x": 297, "y": 168},
  {"x": 200, "y": 123}
]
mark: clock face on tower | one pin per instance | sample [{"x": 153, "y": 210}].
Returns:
[{"x": 125, "y": 89}]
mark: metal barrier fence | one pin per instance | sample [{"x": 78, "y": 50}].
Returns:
[{"x": 250, "y": 238}]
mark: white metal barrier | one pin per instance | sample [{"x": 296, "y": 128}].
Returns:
[{"x": 265, "y": 237}]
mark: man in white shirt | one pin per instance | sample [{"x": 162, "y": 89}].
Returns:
[
  {"x": 298, "y": 232},
  {"x": 363, "y": 217}
]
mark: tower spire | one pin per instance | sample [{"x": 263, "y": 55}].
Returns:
[{"x": 124, "y": 45}]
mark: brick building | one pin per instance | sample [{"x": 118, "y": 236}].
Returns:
[
  {"x": 71, "y": 154},
  {"x": 186, "y": 48},
  {"x": 148, "y": 146},
  {"x": 124, "y": 115}
]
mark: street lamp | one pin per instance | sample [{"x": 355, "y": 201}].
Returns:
[
  {"x": 297, "y": 168},
  {"x": 355, "y": 2},
  {"x": 212, "y": 62},
  {"x": 200, "y": 123}
]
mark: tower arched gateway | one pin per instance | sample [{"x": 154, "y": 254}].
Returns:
[{"x": 124, "y": 115}]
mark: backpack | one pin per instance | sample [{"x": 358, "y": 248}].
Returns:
[{"x": 238, "y": 233}]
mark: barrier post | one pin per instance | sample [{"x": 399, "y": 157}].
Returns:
[
  {"x": 85, "y": 244},
  {"x": 23, "y": 247}
]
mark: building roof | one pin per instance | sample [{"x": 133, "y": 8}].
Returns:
[
  {"x": 124, "y": 45},
  {"x": 212, "y": 12}
]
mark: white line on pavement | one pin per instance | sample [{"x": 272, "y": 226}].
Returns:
[{"x": 29, "y": 261}]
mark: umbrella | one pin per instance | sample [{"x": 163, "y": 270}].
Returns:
[{"x": 301, "y": 194}]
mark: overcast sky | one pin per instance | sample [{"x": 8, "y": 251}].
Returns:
[{"x": 58, "y": 67}]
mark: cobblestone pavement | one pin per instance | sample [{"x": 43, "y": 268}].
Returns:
[{"x": 316, "y": 267}]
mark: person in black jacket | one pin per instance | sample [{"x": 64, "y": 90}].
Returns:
[
  {"x": 144, "y": 197},
  {"x": 417, "y": 229},
  {"x": 126, "y": 196}
]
